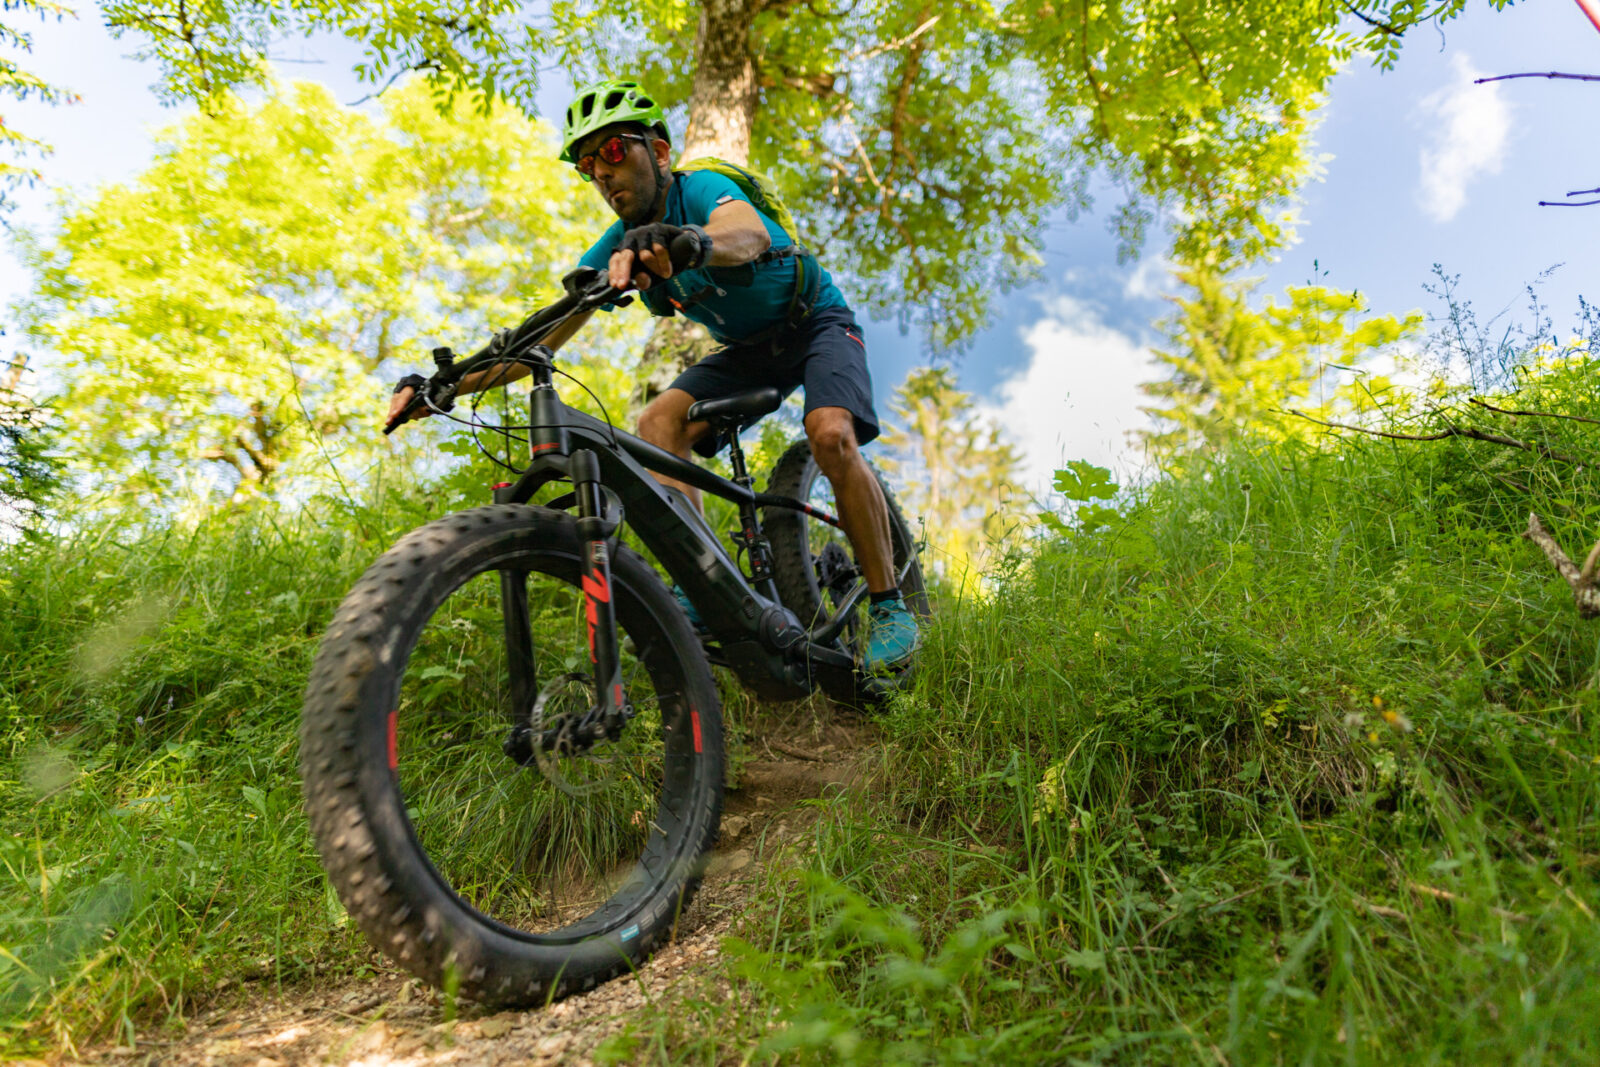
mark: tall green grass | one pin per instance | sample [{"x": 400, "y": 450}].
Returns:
[
  {"x": 1298, "y": 760},
  {"x": 150, "y": 681},
  {"x": 1294, "y": 760}
]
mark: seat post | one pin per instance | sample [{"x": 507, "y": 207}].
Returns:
[{"x": 741, "y": 473}]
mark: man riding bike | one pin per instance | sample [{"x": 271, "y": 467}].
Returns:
[{"x": 693, "y": 243}]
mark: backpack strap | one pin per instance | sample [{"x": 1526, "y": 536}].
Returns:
[{"x": 807, "y": 286}]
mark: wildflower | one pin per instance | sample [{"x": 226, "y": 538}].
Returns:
[
  {"x": 1397, "y": 721},
  {"x": 1377, "y": 701},
  {"x": 1372, "y": 735}
]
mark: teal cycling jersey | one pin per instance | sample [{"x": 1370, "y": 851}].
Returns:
[{"x": 733, "y": 303}]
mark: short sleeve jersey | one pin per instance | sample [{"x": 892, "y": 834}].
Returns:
[{"x": 734, "y": 302}]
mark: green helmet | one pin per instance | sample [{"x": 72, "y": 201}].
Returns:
[{"x": 604, "y": 103}]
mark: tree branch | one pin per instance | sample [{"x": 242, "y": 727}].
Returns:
[
  {"x": 265, "y": 464},
  {"x": 222, "y": 455},
  {"x": 1393, "y": 31},
  {"x": 1585, "y": 590},
  {"x": 1538, "y": 74},
  {"x": 1450, "y": 431},
  {"x": 1536, "y": 414}
]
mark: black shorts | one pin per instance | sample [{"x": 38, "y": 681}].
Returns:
[{"x": 825, "y": 355}]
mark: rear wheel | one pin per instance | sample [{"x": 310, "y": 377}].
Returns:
[
  {"x": 815, "y": 567},
  {"x": 487, "y": 842}
]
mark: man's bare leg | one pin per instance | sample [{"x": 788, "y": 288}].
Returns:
[
  {"x": 863, "y": 512},
  {"x": 665, "y": 424}
]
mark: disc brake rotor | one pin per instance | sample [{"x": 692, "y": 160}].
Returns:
[{"x": 571, "y": 764}]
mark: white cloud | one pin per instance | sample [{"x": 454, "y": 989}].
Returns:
[
  {"x": 1077, "y": 397},
  {"x": 1469, "y": 127},
  {"x": 1149, "y": 279}
]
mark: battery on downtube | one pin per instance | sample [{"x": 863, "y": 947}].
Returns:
[{"x": 594, "y": 533}]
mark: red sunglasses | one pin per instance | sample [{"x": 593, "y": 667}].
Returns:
[{"x": 613, "y": 150}]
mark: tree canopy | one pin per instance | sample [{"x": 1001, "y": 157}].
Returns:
[
  {"x": 959, "y": 476},
  {"x": 924, "y": 146},
  {"x": 16, "y": 146},
  {"x": 1236, "y": 368},
  {"x": 233, "y": 303}
]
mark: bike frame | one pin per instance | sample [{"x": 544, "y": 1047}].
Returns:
[{"x": 760, "y": 640}]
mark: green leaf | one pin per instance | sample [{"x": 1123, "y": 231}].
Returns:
[
  {"x": 1085, "y": 959},
  {"x": 1081, "y": 480}
]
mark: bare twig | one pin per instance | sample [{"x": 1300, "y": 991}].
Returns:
[
  {"x": 1568, "y": 203},
  {"x": 1450, "y": 431},
  {"x": 873, "y": 53},
  {"x": 797, "y": 753},
  {"x": 1534, "y": 414},
  {"x": 1538, "y": 74},
  {"x": 1445, "y": 894},
  {"x": 1585, "y": 589},
  {"x": 1380, "y": 909}
]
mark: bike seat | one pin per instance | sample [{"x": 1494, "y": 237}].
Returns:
[{"x": 738, "y": 410}]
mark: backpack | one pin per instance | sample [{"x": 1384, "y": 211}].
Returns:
[{"x": 757, "y": 186}]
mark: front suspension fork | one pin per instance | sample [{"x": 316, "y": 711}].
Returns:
[{"x": 594, "y": 536}]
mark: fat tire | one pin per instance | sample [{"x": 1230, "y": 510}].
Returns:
[
  {"x": 352, "y": 796},
  {"x": 794, "y": 563}
]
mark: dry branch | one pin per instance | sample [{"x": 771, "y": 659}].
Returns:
[
  {"x": 1585, "y": 588},
  {"x": 1534, "y": 414},
  {"x": 1450, "y": 431}
]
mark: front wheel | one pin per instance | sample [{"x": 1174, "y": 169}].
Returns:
[
  {"x": 473, "y": 828},
  {"x": 815, "y": 567}
]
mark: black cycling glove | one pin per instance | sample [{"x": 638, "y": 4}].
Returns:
[
  {"x": 410, "y": 381},
  {"x": 687, "y": 247}
]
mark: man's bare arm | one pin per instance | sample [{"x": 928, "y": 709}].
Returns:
[{"x": 737, "y": 236}]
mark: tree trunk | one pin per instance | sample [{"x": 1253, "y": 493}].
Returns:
[
  {"x": 722, "y": 102},
  {"x": 722, "y": 110}
]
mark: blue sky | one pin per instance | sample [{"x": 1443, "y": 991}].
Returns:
[{"x": 1423, "y": 168}]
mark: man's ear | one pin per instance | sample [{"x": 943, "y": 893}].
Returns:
[{"x": 663, "y": 152}]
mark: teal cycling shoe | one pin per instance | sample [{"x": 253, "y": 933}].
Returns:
[
  {"x": 688, "y": 607},
  {"x": 894, "y": 638}
]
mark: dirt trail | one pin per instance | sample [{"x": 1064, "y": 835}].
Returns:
[{"x": 392, "y": 1020}]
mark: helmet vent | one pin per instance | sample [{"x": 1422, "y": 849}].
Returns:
[
  {"x": 643, "y": 101},
  {"x": 588, "y": 105},
  {"x": 613, "y": 99}
]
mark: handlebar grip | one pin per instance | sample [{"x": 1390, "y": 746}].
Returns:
[{"x": 405, "y": 413}]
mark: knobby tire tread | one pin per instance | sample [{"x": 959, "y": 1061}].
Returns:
[{"x": 360, "y": 644}]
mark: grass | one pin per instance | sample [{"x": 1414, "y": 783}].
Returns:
[
  {"x": 154, "y": 847},
  {"x": 1294, "y": 759}
]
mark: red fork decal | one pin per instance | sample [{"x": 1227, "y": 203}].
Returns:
[
  {"x": 394, "y": 745},
  {"x": 594, "y": 589},
  {"x": 694, "y": 719}
]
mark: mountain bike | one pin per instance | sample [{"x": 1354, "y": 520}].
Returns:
[{"x": 512, "y": 742}]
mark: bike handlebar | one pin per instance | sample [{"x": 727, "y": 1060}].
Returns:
[{"x": 585, "y": 295}]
